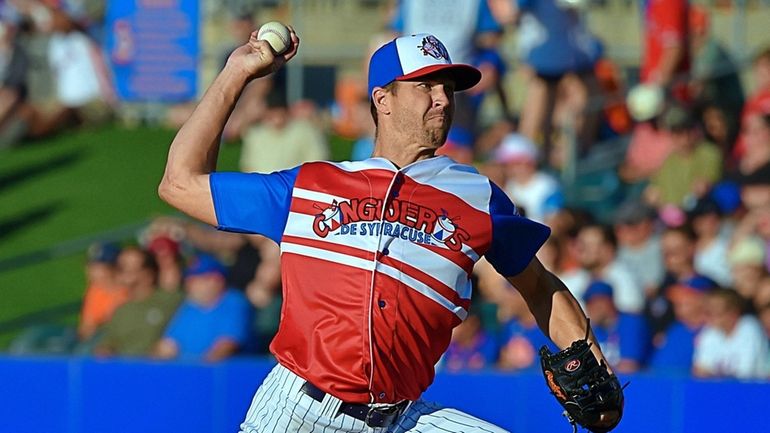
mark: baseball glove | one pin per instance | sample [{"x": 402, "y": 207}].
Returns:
[{"x": 582, "y": 386}]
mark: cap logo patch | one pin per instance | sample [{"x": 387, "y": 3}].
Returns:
[{"x": 431, "y": 46}]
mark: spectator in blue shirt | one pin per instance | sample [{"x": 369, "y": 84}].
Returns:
[
  {"x": 673, "y": 351},
  {"x": 471, "y": 348},
  {"x": 213, "y": 321},
  {"x": 623, "y": 337}
]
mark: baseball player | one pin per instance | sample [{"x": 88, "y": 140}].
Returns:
[{"x": 376, "y": 255}]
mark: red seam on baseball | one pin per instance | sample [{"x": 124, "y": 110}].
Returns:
[{"x": 285, "y": 42}]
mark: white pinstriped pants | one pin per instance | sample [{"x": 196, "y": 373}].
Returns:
[{"x": 279, "y": 406}]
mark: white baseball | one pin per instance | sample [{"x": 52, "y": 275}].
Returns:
[{"x": 276, "y": 34}]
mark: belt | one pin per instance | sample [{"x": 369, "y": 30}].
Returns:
[{"x": 373, "y": 416}]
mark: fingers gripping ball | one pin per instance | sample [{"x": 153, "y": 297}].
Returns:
[{"x": 277, "y": 35}]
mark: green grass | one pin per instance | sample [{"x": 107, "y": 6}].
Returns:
[{"x": 69, "y": 187}]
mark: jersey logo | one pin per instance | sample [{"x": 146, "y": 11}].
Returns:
[
  {"x": 431, "y": 46},
  {"x": 401, "y": 219}
]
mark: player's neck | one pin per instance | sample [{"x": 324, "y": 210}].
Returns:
[{"x": 402, "y": 152}]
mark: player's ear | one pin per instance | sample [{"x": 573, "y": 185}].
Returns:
[{"x": 380, "y": 100}]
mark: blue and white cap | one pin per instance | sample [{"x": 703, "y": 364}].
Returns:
[{"x": 414, "y": 56}]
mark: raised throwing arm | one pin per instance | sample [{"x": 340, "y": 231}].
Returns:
[{"x": 193, "y": 153}]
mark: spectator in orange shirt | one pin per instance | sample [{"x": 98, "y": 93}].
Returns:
[{"x": 103, "y": 294}]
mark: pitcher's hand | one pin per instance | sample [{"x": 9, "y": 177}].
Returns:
[{"x": 256, "y": 59}]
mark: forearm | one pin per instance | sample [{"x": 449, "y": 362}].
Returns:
[
  {"x": 669, "y": 61},
  {"x": 222, "y": 348},
  {"x": 196, "y": 145},
  {"x": 193, "y": 153},
  {"x": 557, "y": 312}
]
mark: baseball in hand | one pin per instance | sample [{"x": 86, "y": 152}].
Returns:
[{"x": 277, "y": 35}]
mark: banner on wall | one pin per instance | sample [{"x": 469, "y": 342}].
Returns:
[{"x": 153, "y": 49}]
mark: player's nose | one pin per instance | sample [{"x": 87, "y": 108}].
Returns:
[{"x": 441, "y": 95}]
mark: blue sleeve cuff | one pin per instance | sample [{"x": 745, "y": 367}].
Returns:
[{"x": 515, "y": 239}]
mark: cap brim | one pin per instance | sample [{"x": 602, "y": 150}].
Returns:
[{"x": 465, "y": 76}]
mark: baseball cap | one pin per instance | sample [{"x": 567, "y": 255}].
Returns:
[
  {"x": 204, "y": 264},
  {"x": 163, "y": 244},
  {"x": 645, "y": 101},
  {"x": 414, "y": 56},
  {"x": 597, "y": 288},
  {"x": 516, "y": 147},
  {"x": 727, "y": 195},
  {"x": 103, "y": 253},
  {"x": 696, "y": 285},
  {"x": 704, "y": 206}
]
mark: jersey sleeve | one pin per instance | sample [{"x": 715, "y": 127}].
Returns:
[
  {"x": 253, "y": 202},
  {"x": 515, "y": 239}
]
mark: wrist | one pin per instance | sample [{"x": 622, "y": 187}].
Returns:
[{"x": 235, "y": 74}]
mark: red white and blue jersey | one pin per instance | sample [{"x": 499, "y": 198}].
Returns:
[{"x": 376, "y": 263}]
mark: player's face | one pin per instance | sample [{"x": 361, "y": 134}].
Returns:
[{"x": 424, "y": 109}]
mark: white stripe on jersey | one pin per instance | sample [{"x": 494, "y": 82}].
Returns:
[
  {"x": 331, "y": 256},
  {"x": 375, "y": 163},
  {"x": 301, "y": 225},
  {"x": 423, "y": 289},
  {"x": 456, "y": 179},
  {"x": 424, "y": 259},
  {"x": 317, "y": 196},
  {"x": 462, "y": 181},
  {"x": 279, "y": 406}
]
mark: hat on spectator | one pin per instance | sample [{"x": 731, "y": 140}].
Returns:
[
  {"x": 645, "y": 101},
  {"x": 672, "y": 215},
  {"x": 727, "y": 195},
  {"x": 748, "y": 251},
  {"x": 704, "y": 206},
  {"x": 163, "y": 245},
  {"x": 695, "y": 285},
  {"x": 634, "y": 212},
  {"x": 414, "y": 56},
  {"x": 516, "y": 148},
  {"x": 103, "y": 253},
  {"x": 204, "y": 264},
  {"x": 597, "y": 288}
]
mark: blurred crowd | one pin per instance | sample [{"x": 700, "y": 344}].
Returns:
[
  {"x": 53, "y": 74},
  {"x": 657, "y": 191}
]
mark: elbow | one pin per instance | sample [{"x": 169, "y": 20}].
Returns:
[
  {"x": 165, "y": 189},
  {"x": 169, "y": 189}
]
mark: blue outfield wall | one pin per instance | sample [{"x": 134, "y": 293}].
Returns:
[{"x": 86, "y": 395}]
